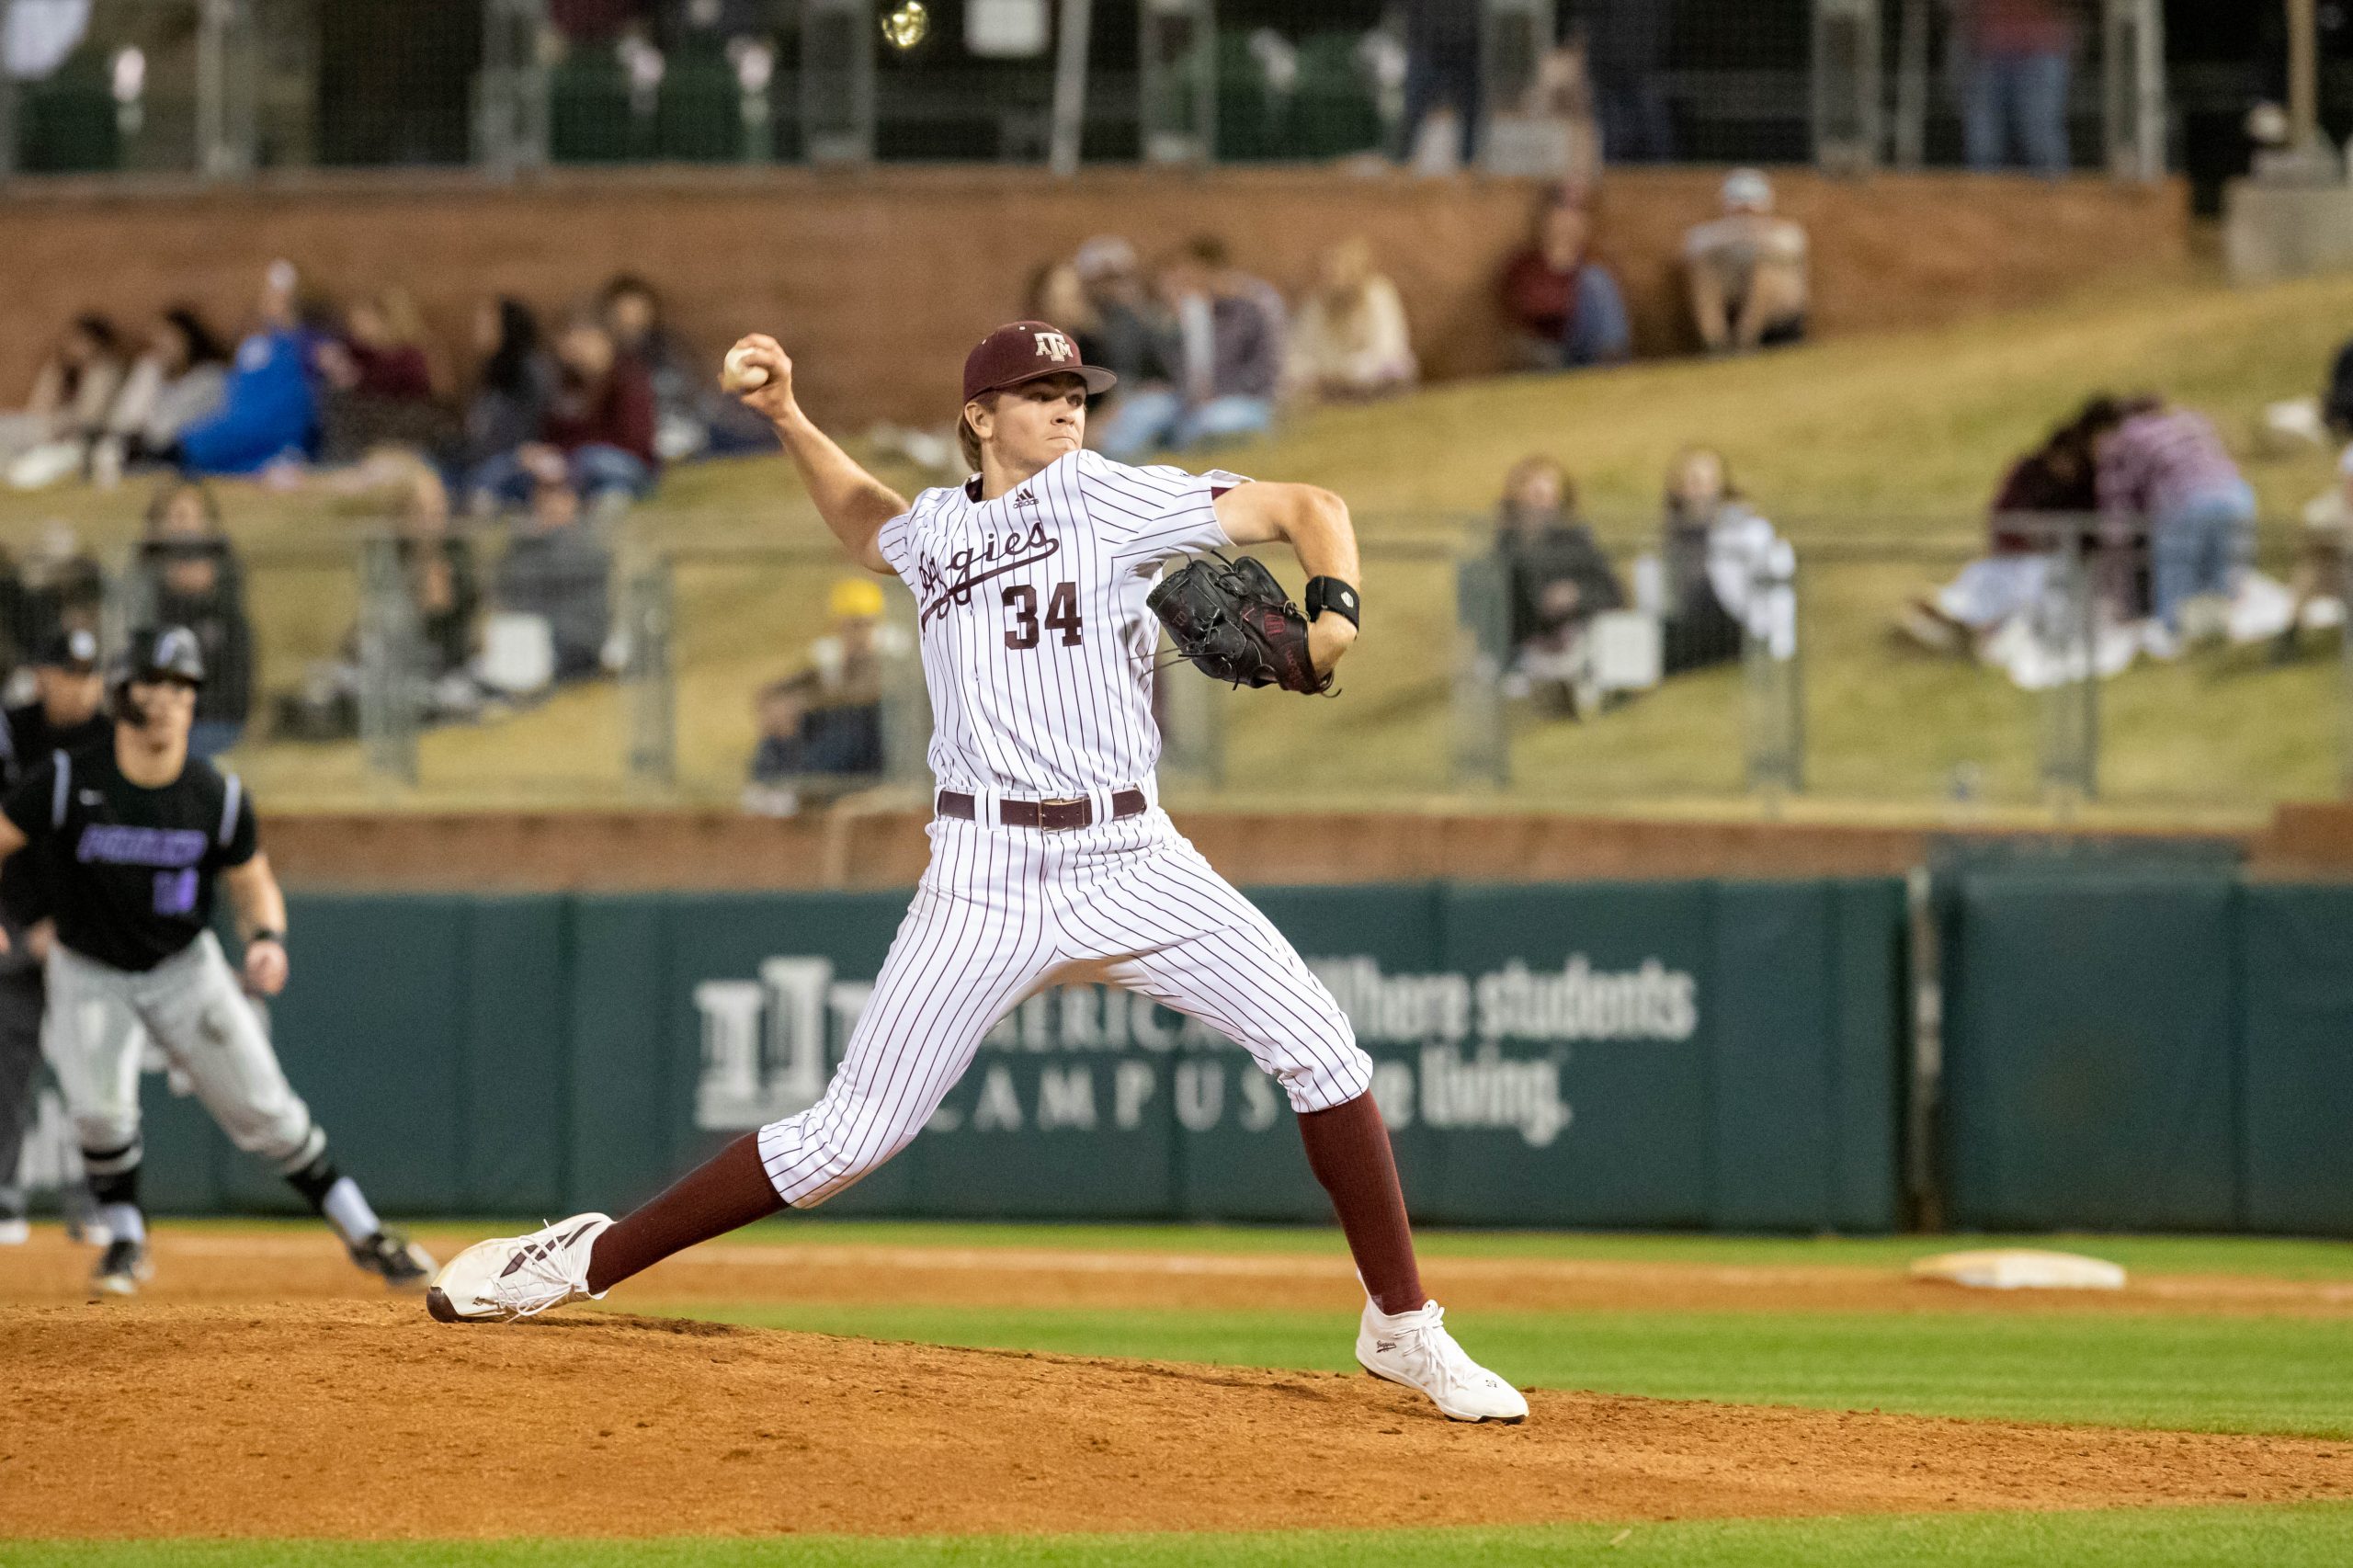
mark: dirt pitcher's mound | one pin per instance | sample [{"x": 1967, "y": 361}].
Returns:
[{"x": 366, "y": 1419}]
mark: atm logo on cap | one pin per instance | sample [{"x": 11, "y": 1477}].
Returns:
[{"x": 1055, "y": 346}]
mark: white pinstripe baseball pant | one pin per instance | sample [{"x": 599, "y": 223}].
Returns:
[{"x": 1003, "y": 913}]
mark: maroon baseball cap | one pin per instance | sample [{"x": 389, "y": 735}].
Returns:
[{"x": 1027, "y": 351}]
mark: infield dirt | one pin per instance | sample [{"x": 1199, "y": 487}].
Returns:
[{"x": 300, "y": 1415}]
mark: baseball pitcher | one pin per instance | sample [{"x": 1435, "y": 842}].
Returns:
[
  {"x": 130, "y": 837},
  {"x": 1052, "y": 860}
]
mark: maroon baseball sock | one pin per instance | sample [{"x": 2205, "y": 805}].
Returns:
[
  {"x": 1347, "y": 1148},
  {"x": 729, "y": 1190}
]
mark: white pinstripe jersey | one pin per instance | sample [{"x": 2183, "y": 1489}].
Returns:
[{"x": 1037, "y": 645}]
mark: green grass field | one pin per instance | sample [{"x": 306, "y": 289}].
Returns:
[
  {"x": 2287, "y": 1536},
  {"x": 2175, "y": 1371},
  {"x": 1893, "y": 442}
]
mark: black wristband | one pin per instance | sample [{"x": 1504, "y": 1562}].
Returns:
[
  {"x": 265, "y": 935},
  {"x": 1330, "y": 593}
]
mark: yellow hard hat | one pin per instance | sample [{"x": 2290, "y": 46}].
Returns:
[{"x": 855, "y": 596}]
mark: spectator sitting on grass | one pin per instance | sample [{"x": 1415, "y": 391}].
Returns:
[
  {"x": 1747, "y": 272},
  {"x": 74, "y": 395},
  {"x": 1225, "y": 339},
  {"x": 513, "y": 387},
  {"x": 2337, "y": 397},
  {"x": 269, "y": 411},
  {"x": 691, "y": 417},
  {"x": 599, "y": 428},
  {"x": 781, "y": 756},
  {"x": 445, "y": 598},
  {"x": 377, "y": 383},
  {"x": 59, "y": 588},
  {"x": 1558, "y": 578},
  {"x": 181, "y": 379},
  {"x": 2322, "y": 560},
  {"x": 2166, "y": 471},
  {"x": 555, "y": 569},
  {"x": 1126, "y": 320},
  {"x": 1350, "y": 341},
  {"x": 1711, "y": 544},
  {"x": 1564, "y": 307},
  {"x": 2047, "y": 494},
  {"x": 190, "y": 577},
  {"x": 1058, "y": 296},
  {"x": 824, "y": 722}
]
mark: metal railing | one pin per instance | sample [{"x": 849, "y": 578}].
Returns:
[
  {"x": 1805, "y": 687},
  {"x": 220, "y": 89}
]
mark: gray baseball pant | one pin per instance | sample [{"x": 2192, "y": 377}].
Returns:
[{"x": 193, "y": 1008}]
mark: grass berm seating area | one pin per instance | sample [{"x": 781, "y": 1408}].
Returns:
[{"x": 1876, "y": 455}]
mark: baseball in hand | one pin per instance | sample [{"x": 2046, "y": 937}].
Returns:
[{"x": 740, "y": 375}]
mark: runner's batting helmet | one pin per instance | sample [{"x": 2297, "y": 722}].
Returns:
[{"x": 159, "y": 652}]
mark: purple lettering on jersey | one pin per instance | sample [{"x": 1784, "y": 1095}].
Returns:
[
  {"x": 111, "y": 844},
  {"x": 176, "y": 893}
]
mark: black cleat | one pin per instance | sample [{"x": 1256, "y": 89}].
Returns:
[
  {"x": 404, "y": 1265},
  {"x": 122, "y": 1269}
]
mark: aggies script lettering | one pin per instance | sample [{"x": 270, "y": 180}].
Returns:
[{"x": 940, "y": 585}]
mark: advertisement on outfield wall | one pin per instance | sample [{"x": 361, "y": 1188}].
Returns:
[
  {"x": 1540, "y": 1055},
  {"x": 1655, "y": 1054}
]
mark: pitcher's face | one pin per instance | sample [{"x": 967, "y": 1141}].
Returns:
[{"x": 1034, "y": 424}]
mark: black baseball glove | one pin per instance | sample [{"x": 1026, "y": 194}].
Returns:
[{"x": 1235, "y": 623}]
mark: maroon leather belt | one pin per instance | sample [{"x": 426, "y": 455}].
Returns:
[{"x": 1048, "y": 816}]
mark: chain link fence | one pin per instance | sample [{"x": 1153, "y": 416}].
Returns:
[
  {"x": 1907, "y": 668},
  {"x": 221, "y": 88}
]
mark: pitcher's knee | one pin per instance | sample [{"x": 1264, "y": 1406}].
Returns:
[
  {"x": 1332, "y": 1074},
  {"x": 831, "y": 1145}
]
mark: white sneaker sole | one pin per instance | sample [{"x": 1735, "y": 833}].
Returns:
[{"x": 1373, "y": 1372}]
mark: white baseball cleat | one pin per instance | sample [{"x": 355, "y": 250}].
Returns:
[
  {"x": 517, "y": 1276},
  {"x": 1414, "y": 1349},
  {"x": 15, "y": 1230}
]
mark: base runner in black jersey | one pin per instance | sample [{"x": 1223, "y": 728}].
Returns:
[{"x": 129, "y": 837}]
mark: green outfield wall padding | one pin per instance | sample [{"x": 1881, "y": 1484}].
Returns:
[
  {"x": 1585, "y": 1095},
  {"x": 1776, "y": 1110},
  {"x": 1655, "y": 1055},
  {"x": 1871, "y": 1051},
  {"x": 516, "y": 1074},
  {"x": 2296, "y": 947},
  {"x": 623, "y": 1135},
  {"x": 2091, "y": 1050}
]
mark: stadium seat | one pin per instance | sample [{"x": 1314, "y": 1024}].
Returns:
[
  {"x": 589, "y": 118},
  {"x": 66, "y": 125},
  {"x": 700, "y": 119},
  {"x": 1253, "y": 120},
  {"x": 1334, "y": 111}
]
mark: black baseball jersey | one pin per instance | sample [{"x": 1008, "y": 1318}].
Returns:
[
  {"x": 129, "y": 871},
  {"x": 26, "y": 737}
]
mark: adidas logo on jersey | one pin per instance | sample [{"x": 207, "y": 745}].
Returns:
[{"x": 1025, "y": 496}]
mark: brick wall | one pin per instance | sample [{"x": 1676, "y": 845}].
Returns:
[{"x": 879, "y": 281}]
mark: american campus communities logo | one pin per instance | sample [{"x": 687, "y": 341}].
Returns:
[{"x": 1489, "y": 1048}]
